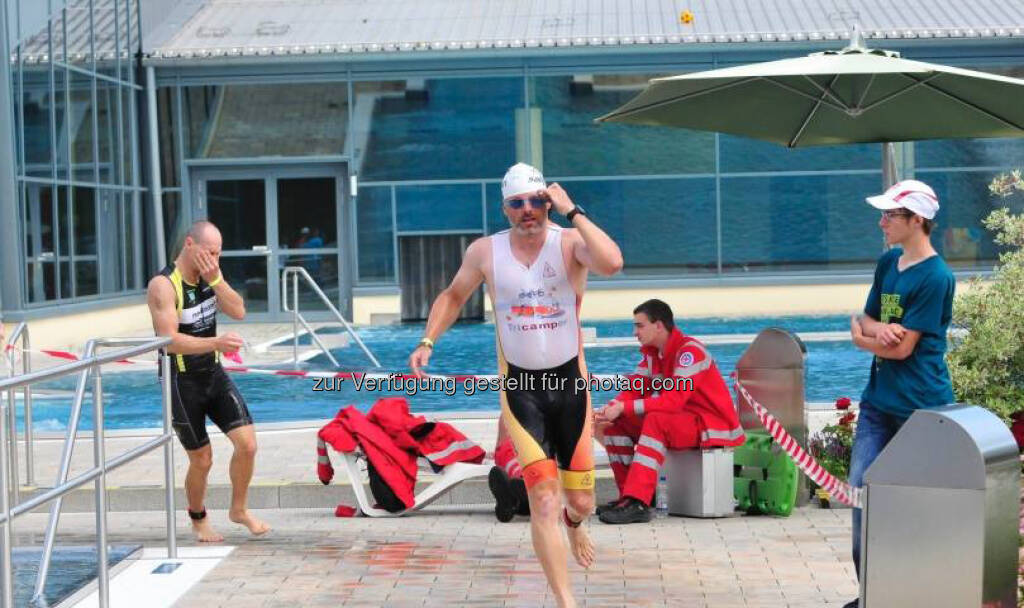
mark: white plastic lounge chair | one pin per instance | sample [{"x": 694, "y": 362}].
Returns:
[{"x": 449, "y": 477}]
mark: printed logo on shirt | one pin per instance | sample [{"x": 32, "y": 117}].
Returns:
[
  {"x": 191, "y": 297},
  {"x": 686, "y": 359},
  {"x": 891, "y": 309},
  {"x": 549, "y": 272}
]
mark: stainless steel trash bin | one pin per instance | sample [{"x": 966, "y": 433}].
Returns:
[{"x": 940, "y": 522}]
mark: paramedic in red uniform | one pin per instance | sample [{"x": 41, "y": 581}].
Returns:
[{"x": 675, "y": 400}]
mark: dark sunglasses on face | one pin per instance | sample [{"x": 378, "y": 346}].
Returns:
[{"x": 535, "y": 201}]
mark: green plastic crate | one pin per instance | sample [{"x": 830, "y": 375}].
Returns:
[{"x": 765, "y": 479}]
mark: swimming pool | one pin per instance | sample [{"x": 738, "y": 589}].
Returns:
[
  {"x": 71, "y": 568},
  {"x": 834, "y": 369}
]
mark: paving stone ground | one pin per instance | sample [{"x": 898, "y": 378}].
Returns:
[{"x": 312, "y": 558}]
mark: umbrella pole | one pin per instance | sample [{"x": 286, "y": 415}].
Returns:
[{"x": 888, "y": 165}]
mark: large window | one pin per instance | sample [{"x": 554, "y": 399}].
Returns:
[
  {"x": 566, "y": 106},
  {"x": 375, "y": 235},
  {"x": 75, "y": 124},
  {"x": 799, "y": 223},
  {"x": 963, "y": 203},
  {"x": 430, "y": 152},
  {"x": 663, "y": 226},
  {"x": 435, "y": 129},
  {"x": 242, "y": 121}
]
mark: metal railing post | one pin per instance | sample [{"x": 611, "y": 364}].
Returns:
[
  {"x": 62, "y": 475},
  {"x": 7, "y": 582},
  {"x": 172, "y": 534},
  {"x": 295, "y": 320},
  {"x": 26, "y": 368},
  {"x": 100, "y": 460},
  {"x": 12, "y": 443}
]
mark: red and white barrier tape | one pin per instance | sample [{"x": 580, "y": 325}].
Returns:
[
  {"x": 840, "y": 489},
  {"x": 298, "y": 373},
  {"x": 843, "y": 491}
]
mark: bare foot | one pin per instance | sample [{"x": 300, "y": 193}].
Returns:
[
  {"x": 204, "y": 531},
  {"x": 581, "y": 545},
  {"x": 256, "y": 526}
]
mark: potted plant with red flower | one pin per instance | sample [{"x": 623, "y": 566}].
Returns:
[{"x": 833, "y": 445}]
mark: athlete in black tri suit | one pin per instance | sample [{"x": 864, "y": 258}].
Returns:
[{"x": 183, "y": 301}]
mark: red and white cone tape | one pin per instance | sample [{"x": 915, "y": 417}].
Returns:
[{"x": 843, "y": 491}]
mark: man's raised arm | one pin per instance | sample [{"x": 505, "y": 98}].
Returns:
[{"x": 597, "y": 251}]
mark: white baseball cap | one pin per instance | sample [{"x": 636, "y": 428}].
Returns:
[
  {"x": 909, "y": 194},
  {"x": 521, "y": 178}
]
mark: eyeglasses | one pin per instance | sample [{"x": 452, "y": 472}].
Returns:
[
  {"x": 892, "y": 214},
  {"x": 535, "y": 201}
]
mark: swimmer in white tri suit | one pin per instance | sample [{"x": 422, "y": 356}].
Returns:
[{"x": 536, "y": 273}]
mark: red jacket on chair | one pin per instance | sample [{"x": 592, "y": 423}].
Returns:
[
  {"x": 439, "y": 442},
  {"x": 350, "y": 428},
  {"x": 392, "y": 438}
]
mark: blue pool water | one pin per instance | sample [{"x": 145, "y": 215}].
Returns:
[
  {"x": 71, "y": 568},
  {"x": 834, "y": 369}
]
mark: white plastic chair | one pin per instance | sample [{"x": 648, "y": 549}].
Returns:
[{"x": 449, "y": 477}]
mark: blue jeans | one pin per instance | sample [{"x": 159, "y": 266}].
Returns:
[{"x": 875, "y": 429}]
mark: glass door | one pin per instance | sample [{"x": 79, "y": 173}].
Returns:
[
  {"x": 307, "y": 232},
  {"x": 274, "y": 217},
  {"x": 238, "y": 207}
]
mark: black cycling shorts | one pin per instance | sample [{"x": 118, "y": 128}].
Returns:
[
  {"x": 548, "y": 416},
  {"x": 198, "y": 394}
]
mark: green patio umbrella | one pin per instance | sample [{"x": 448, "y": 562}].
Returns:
[{"x": 855, "y": 95}]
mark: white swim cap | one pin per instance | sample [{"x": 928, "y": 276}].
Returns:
[{"x": 521, "y": 178}]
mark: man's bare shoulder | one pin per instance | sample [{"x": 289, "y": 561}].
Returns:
[
  {"x": 479, "y": 250},
  {"x": 159, "y": 283},
  {"x": 159, "y": 289}
]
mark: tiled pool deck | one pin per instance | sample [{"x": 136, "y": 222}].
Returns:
[{"x": 459, "y": 557}]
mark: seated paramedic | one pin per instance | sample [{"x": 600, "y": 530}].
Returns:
[
  {"x": 676, "y": 399},
  {"x": 506, "y": 479}
]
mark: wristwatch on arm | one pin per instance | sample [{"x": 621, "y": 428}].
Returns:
[{"x": 576, "y": 210}]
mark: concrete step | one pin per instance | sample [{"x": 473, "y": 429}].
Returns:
[{"x": 279, "y": 496}]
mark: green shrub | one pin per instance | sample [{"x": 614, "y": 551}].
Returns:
[{"x": 987, "y": 362}]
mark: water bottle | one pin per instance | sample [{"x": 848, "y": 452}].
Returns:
[{"x": 661, "y": 498}]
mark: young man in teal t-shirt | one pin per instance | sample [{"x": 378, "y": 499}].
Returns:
[{"x": 904, "y": 325}]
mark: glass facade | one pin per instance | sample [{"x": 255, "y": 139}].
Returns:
[
  {"x": 430, "y": 153},
  {"x": 74, "y": 92},
  {"x": 429, "y": 149}
]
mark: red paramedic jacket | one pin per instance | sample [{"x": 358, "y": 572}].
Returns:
[{"x": 685, "y": 358}]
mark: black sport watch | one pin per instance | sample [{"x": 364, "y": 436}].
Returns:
[{"x": 576, "y": 210}]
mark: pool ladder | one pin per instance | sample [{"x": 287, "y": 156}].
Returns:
[{"x": 294, "y": 272}]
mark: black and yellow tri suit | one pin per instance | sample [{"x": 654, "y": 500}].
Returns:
[{"x": 199, "y": 385}]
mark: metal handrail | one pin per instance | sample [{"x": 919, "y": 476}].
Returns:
[
  {"x": 21, "y": 334},
  {"x": 296, "y": 272},
  {"x": 90, "y": 363}
]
